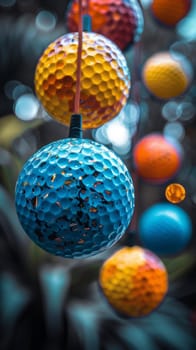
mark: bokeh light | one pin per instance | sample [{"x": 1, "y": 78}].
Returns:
[
  {"x": 186, "y": 110},
  {"x": 134, "y": 281},
  {"x": 186, "y": 28},
  {"x": 26, "y": 107},
  {"x": 45, "y": 21},
  {"x": 175, "y": 193},
  {"x": 165, "y": 228},
  {"x": 174, "y": 130},
  {"x": 169, "y": 111}
]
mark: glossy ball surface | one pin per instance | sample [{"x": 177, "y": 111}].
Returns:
[
  {"x": 168, "y": 12},
  {"x": 166, "y": 76},
  {"x": 119, "y": 20},
  {"x": 74, "y": 198},
  {"x": 175, "y": 193},
  {"x": 105, "y": 79},
  {"x": 165, "y": 229},
  {"x": 134, "y": 281},
  {"x": 156, "y": 158}
]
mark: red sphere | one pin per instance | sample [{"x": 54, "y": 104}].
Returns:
[{"x": 119, "y": 20}]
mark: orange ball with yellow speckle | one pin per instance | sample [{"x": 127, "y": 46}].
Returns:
[
  {"x": 175, "y": 193},
  {"x": 134, "y": 281},
  {"x": 166, "y": 76},
  {"x": 104, "y": 85},
  {"x": 168, "y": 12},
  {"x": 156, "y": 158}
]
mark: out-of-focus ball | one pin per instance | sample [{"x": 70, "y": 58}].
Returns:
[
  {"x": 156, "y": 158},
  {"x": 134, "y": 281},
  {"x": 105, "y": 79},
  {"x": 168, "y": 12},
  {"x": 175, "y": 193},
  {"x": 74, "y": 198},
  {"x": 167, "y": 76},
  {"x": 119, "y": 20},
  {"x": 165, "y": 229}
]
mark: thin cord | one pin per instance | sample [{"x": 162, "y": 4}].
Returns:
[
  {"x": 79, "y": 60},
  {"x": 87, "y": 3}
]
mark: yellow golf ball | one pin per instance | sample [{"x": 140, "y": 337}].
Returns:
[
  {"x": 167, "y": 76},
  {"x": 105, "y": 79}
]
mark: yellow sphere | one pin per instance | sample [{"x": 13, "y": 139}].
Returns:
[
  {"x": 175, "y": 193},
  {"x": 134, "y": 281},
  {"x": 105, "y": 79},
  {"x": 167, "y": 76}
]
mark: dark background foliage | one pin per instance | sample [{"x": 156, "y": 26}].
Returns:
[{"x": 52, "y": 303}]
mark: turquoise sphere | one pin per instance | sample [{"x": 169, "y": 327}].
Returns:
[
  {"x": 165, "y": 229},
  {"x": 74, "y": 198}
]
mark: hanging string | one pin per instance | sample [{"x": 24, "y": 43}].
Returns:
[
  {"x": 87, "y": 3},
  {"x": 79, "y": 59}
]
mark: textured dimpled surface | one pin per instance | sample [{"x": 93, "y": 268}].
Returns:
[
  {"x": 105, "y": 79},
  {"x": 175, "y": 193},
  {"x": 168, "y": 12},
  {"x": 166, "y": 76},
  {"x": 156, "y": 158},
  {"x": 134, "y": 281},
  {"x": 165, "y": 229},
  {"x": 119, "y": 20},
  {"x": 74, "y": 198}
]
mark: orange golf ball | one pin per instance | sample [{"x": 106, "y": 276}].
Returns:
[
  {"x": 166, "y": 76},
  {"x": 156, "y": 158},
  {"x": 105, "y": 79},
  {"x": 175, "y": 193},
  {"x": 169, "y": 12},
  {"x": 134, "y": 281},
  {"x": 119, "y": 20}
]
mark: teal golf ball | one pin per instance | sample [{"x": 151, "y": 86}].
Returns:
[
  {"x": 165, "y": 229},
  {"x": 74, "y": 198}
]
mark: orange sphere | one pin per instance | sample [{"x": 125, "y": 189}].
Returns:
[
  {"x": 156, "y": 158},
  {"x": 169, "y": 12},
  {"x": 175, "y": 193},
  {"x": 134, "y": 281},
  {"x": 119, "y": 20},
  {"x": 104, "y": 83},
  {"x": 167, "y": 76}
]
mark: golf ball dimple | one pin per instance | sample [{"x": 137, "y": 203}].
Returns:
[
  {"x": 74, "y": 198},
  {"x": 134, "y": 281},
  {"x": 104, "y": 84}
]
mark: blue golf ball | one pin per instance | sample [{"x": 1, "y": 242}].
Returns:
[
  {"x": 165, "y": 229},
  {"x": 74, "y": 198}
]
